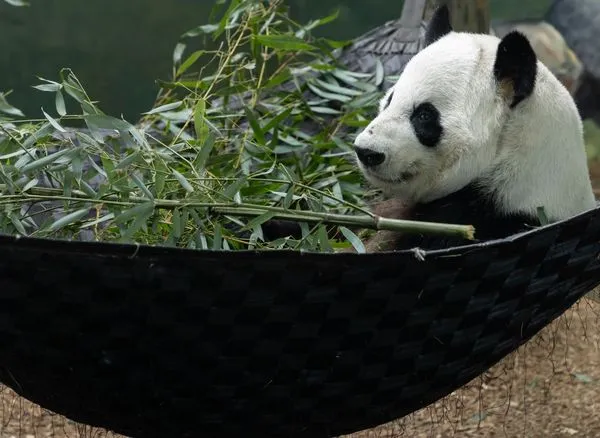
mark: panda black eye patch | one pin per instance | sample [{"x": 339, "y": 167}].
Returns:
[{"x": 425, "y": 120}]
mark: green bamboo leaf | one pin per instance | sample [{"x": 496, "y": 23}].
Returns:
[
  {"x": 289, "y": 197},
  {"x": 69, "y": 219},
  {"x": 16, "y": 153},
  {"x": 177, "y": 227},
  {"x": 87, "y": 189},
  {"x": 17, "y": 2},
  {"x": 44, "y": 161},
  {"x": 138, "y": 182},
  {"x": 232, "y": 190},
  {"x": 67, "y": 183},
  {"x": 53, "y": 122},
  {"x": 128, "y": 160},
  {"x": 283, "y": 42},
  {"x": 98, "y": 221},
  {"x": 277, "y": 79},
  {"x": 50, "y": 87},
  {"x": 183, "y": 181},
  {"x": 217, "y": 238},
  {"x": 255, "y": 125},
  {"x": 7, "y": 108},
  {"x": 204, "y": 153},
  {"x": 291, "y": 175},
  {"x": 199, "y": 120},
  {"x": 160, "y": 174},
  {"x": 32, "y": 183},
  {"x": 324, "y": 110},
  {"x": 354, "y": 240},
  {"x": 143, "y": 209},
  {"x": 323, "y": 239},
  {"x": 227, "y": 16},
  {"x": 164, "y": 108},
  {"x": 140, "y": 221},
  {"x": 72, "y": 87},
  {"x": 200, "y": 30},
  {"x": 325, "y": 20},
  {"x": 16, "y": 221},
  {"x": 191, "y": 60},
  {"x": 277, "y": 120},
  {"x": 337, "y": 89},
  {"x": 59, "y": 101},
  {"x": 259, "y": 220},
  {"x": 178, "y": 52},
  {"x": 327, "y": 95}
]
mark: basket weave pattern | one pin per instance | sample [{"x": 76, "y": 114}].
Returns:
[{"x": 154, "y": 342}]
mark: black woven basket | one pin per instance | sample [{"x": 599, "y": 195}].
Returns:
[{"x": 155, "y": 342}]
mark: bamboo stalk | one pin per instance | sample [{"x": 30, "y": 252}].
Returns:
[{"x": 372, "y": 221}]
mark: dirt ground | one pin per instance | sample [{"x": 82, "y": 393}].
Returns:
[{"x": 547, "y": 388}]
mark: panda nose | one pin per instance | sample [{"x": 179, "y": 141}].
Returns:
[{"x": 369, "y": 157}]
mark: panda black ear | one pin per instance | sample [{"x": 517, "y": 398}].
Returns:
[
  {"x": 439, "y": 25},
  {"x": 515, "y": 67}
]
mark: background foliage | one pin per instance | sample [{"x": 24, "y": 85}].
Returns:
[{"x": 120, "y": 61}]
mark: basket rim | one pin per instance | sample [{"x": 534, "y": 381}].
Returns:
[{"x": 135, "y": 250}]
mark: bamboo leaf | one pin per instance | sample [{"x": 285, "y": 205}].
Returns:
[
  {"x": 259, "y": 220},
  {"x": 255, "y": 125},
  {"x": 164, "y": 108},
  {"x": 128, "y": 160},
  {"x": 323, "y": 239},
  {"x": 327, "y": 95},
  {"x": 69, "y": 219},
  {"x": 17, "y": 223},
  {"x": 138, "y": 182},
  {"x": 199, "y": 121},
  {"x": 205, "y": 150},
  {"x": 178, "y": 52},
  {"x": 53, "y": 122},
  {"x": 353, "y": 239},
  {"x": 59, "y": 101},
  {"x": 98, "y": 221},
  {"x": 217, "y": 238},
  {"x": 44, "y": 161},
  {"x": 283, "y": 42},
  {"x": 143, "y": 209},
  {"x": 183, "y": 181},
  {"x": 140, "y": 220},
  {"x": 7, "y": 108},
  {"x": 177, "y": 227},
  {"x": 50, "y": 87},
  {"x": 191, "y": 60},
  {"x": 17, "y": 2}
]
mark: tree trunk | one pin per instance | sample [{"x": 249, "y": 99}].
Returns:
[{"x": 466, "y": 15}]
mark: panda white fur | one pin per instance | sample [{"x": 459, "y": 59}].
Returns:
[{"x": 476, "y": 130}]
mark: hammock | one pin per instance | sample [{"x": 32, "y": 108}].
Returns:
[{"x": 157, "y": 342}]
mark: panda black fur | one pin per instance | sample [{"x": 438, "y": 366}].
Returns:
[{"x": 476, "y": 131}]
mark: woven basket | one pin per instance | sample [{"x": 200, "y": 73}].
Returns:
[{"x": 155, "y": 342}]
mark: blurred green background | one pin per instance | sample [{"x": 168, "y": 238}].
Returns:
[{"x": 118, "y": 48}]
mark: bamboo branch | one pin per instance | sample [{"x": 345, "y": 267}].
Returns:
[{"x": 40, "y": 194}]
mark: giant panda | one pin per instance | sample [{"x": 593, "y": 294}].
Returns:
[{"x": 475, "y": 131}]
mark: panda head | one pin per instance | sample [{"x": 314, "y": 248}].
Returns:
[{"x": 440, "y": 127}]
